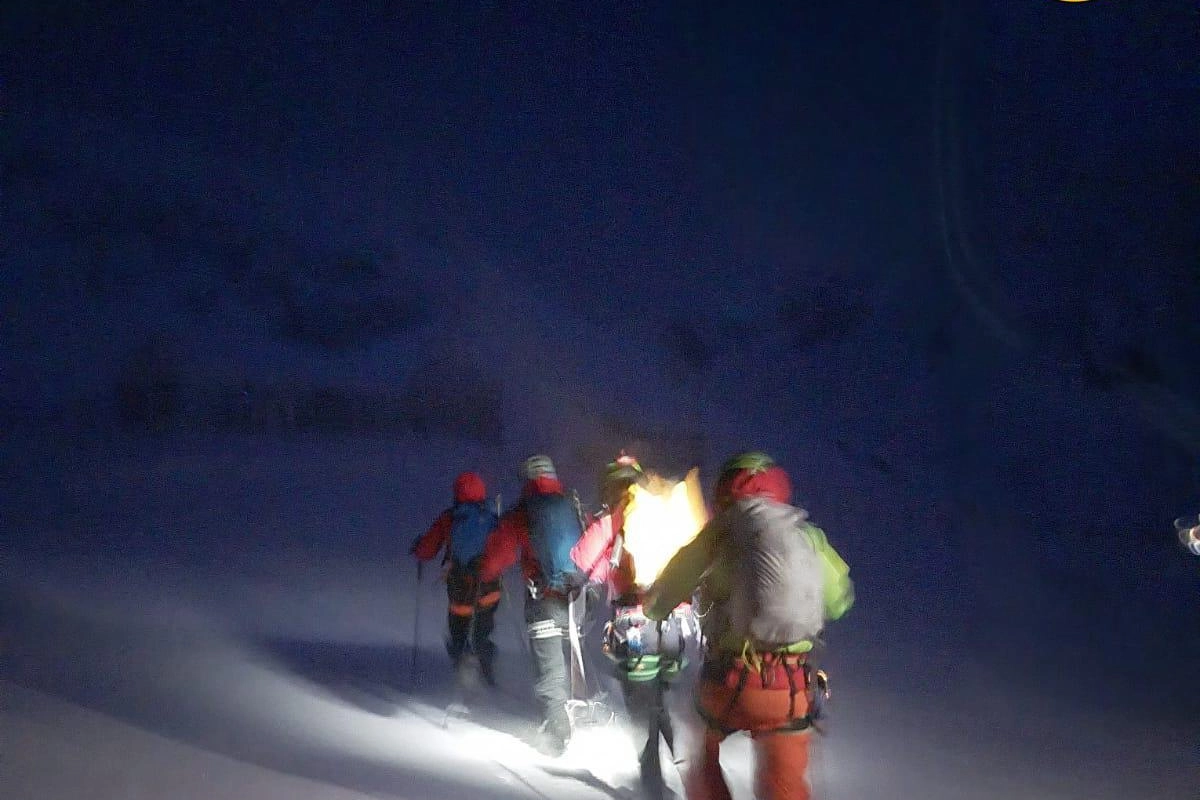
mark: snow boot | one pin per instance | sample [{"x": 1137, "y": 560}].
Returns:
[{"x": 554, "y": 735}]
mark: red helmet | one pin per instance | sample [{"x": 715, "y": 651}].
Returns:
[
  {"x": 469, "y": 488},
  {"x": 751, "y": 474}
]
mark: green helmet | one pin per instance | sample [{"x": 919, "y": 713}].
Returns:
[
  {"x": 618, "y": 476},
  {"x": 755, "y": 461},
  {"x": 751, "y": 461},
  {"x": 625, "y": 467}
]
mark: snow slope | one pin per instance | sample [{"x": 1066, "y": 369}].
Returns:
[
  {"x": 235, "y": 617},
  {"x": 54, "y": 748}
]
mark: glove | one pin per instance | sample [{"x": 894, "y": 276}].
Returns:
[
  {"x": 819, "y": 694},
  {"x": 1188, "y": 529}
]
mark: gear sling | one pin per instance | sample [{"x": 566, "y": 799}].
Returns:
[{"x": 770, "y": 670}]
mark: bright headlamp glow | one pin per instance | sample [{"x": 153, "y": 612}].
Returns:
[{"x": 661, "y": 517}]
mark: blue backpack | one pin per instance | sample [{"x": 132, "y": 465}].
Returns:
[
  {"x": 555, "y": 528},
  {"x": 472, "y": 522}
]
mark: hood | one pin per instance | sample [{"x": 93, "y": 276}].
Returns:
[
  {"x": 773, "y": 484},
  {"x": 469, "y": 488}
]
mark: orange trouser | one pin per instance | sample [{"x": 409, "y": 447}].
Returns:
[{"x": 781, "y": 757}]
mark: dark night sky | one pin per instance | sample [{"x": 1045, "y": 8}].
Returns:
[{"x": 959, "y": 247}]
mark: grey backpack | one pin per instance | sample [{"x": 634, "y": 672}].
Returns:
[{"x": 776, "y": 578}]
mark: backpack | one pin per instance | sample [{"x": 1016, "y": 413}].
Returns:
[
  {"x": 469, "y": 528},
  {"x": 555, "y": 528},
  {"x": 776, "y": 587}
]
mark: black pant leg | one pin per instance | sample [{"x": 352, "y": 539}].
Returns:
[
  {"x": 546, "y": 623},
  {"x": 456, "y": 642},
  {"x": 647, "y": 713},
  {"x": 481, "y": 641}
]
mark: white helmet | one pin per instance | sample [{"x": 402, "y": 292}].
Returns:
[{"x": 538, "y": 465}]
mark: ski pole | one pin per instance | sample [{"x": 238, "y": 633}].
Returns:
[
  {"x": 579, "y": 690},
  {"x": 416, "y": 640}
]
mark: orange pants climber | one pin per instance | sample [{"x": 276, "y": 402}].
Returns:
[{"x": 770, "y": 702}]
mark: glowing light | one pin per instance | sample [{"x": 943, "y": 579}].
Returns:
[{"x": 662, "y": 516}]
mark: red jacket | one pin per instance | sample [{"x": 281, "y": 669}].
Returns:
[
  {"x": 468, "y": 488},
  {"x": 510, "y": 540},
  {"x": 434, "y": 539}
]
